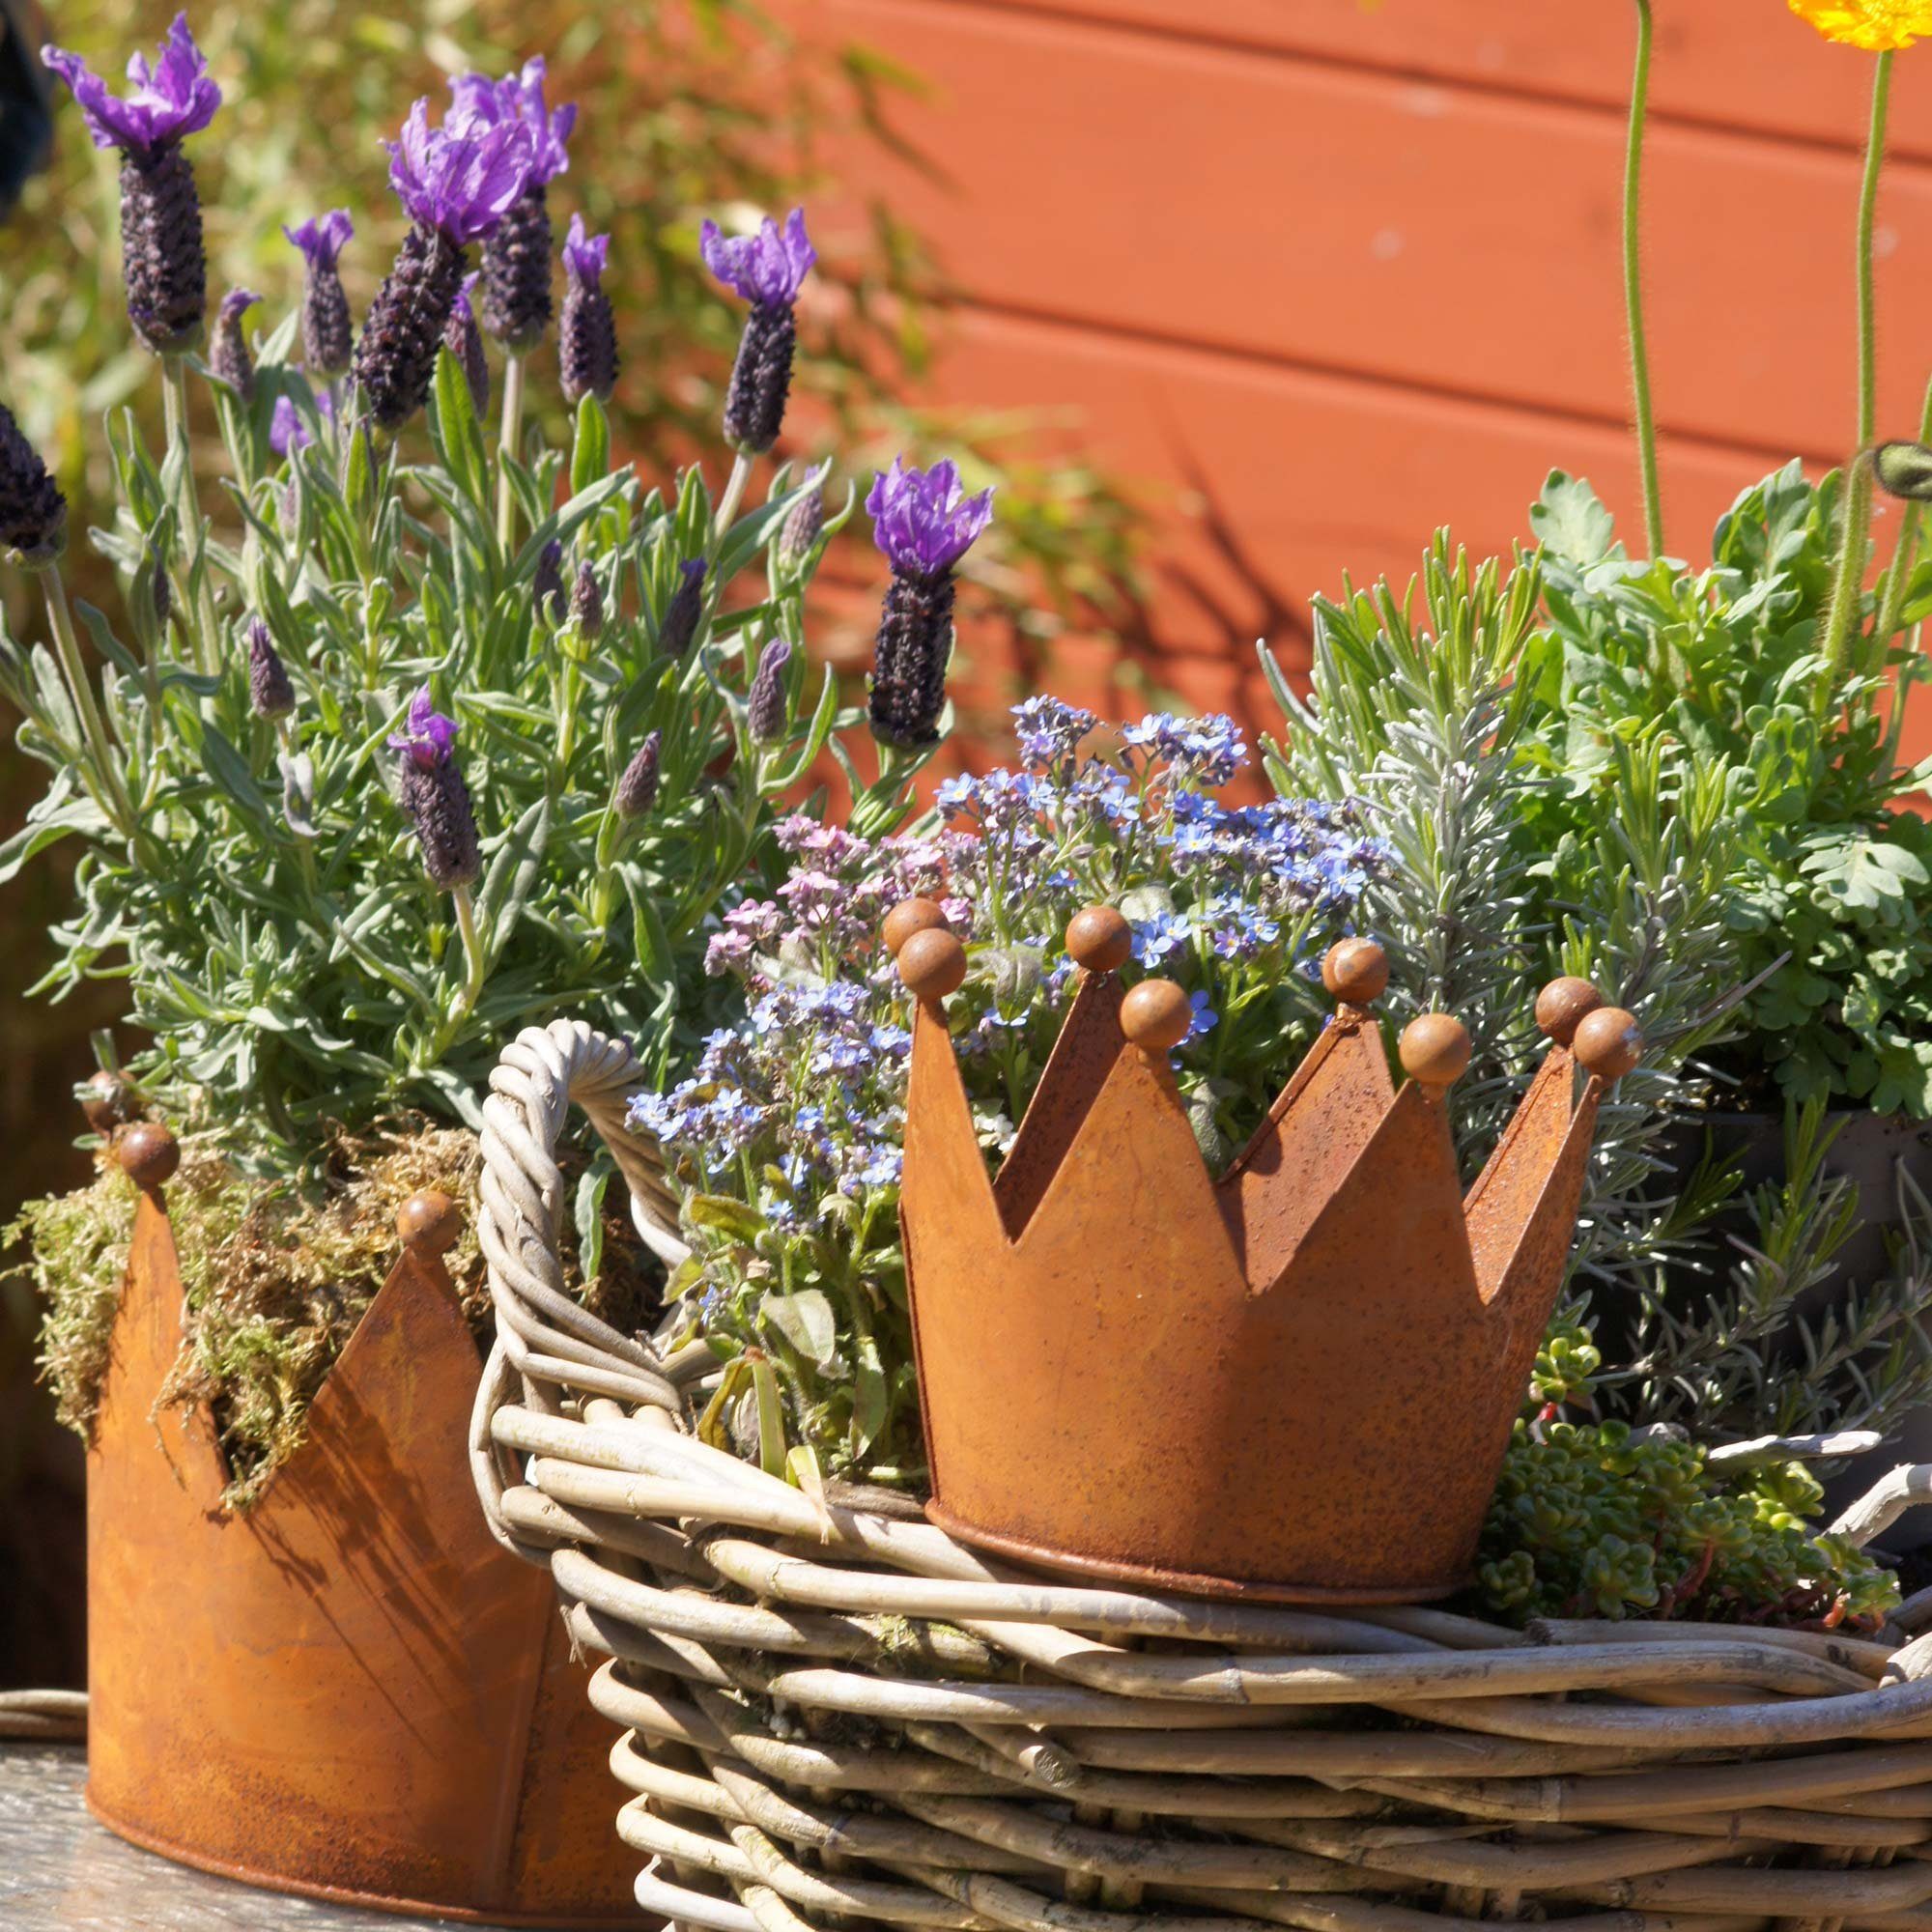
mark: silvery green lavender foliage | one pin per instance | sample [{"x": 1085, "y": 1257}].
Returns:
[
  {"x": 354, "y": 808},
  {"x": 786, "y": 1141}
]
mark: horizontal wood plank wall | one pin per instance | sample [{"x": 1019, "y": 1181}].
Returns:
[{"x": 1321, "y": 277}]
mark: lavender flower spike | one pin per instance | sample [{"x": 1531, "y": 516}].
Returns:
[
  {"x": 924, "y": 523},
  {"x": 457, "y": 183},
  {"x": 32, "y": 512},
  {"x": 586, "y": 343},
  {"x": 517, "y": 257},
  {"x": 228, "y": 359},
  {"x": 271, "y": 694},
  {"x": 435, "y": 797},
  {"x": 679, "y": 623},
  {"x": 288, "y": 430},
  {"x": 766, "y": 710},
  {"x": 638, "y": 788},
  {"x": 328, "y": 340},
  {"x": 465, "y": 341},
  {"x": 547, "y": 584},
  {"x": 767, "y": 268},
  {"x": 163, "y": 260}
]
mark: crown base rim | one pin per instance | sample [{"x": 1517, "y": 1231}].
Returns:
[{"x": 1183, "y": 1582}]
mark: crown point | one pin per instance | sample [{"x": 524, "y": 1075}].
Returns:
[
  {"x": 932, "y": 963},
  {"x": 1156, "y": 1015},
  {"x": 1355, "y": 972},
  {"x": 147, "y": 1153},
  {"x": 429, "y": 1223},
  {"x": 908, "y": 917},
  {"x": 1435, "y": 1050},
  {"x": 1562, "y": 1004},
  {"x": 1099, "y": 939},
  {"x": 1608, "y": 1043}
]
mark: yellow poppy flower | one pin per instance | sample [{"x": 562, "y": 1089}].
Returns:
[{"x": 1876, "y": 25}]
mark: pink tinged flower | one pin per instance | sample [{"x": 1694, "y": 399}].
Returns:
[
  {"x": 767, "y": 268},
  {"x": 924, "y": 521},
  {"x": 321, "y": 238},
  {"x": 517, "y": 102},
  {"x": 164, "y": 104},
  {"x": 584, "y": 255},
  {"x": 288, "y": 427},
  {"x": 461, "y": 178},
  {"x": 427, "y": 736}
]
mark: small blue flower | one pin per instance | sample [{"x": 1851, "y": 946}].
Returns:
[
  {"x": 1205, "y": 1018},
  {"x": 1155, "y": 938}
]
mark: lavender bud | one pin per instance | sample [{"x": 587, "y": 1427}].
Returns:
[
  {"x": 327, "y": 339},
  {"x": 516, "y": 273},
  {"x": 547, "y": 586},
  {"x": 679, "y": 624},
  {"x": 395, "y": 359},
  {"x": 269, "y": 690},
  {"x": 914, "y": 642},
  {"x": 433, "y": 795},
  {"x": 163, "y": 592},
  {"x": 163, "y": 259},
  {"x": 800, "y": 530},
  {"x": 465, "y": 341},
  {"x": 228, "y": 359},
  {"x": 586, "y": 346},
  {"x": 766, "y": 712},
  {"x": 586, "y": 601},
  {"x": 32, "y": 512},
  {"x": 638, "y": 788},
  {"x": 755, "y": 405}
]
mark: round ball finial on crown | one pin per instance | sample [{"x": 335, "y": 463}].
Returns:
[
  {"x": 1608, "y": 1043},
  {"x": 429, "y": 1223},
  {"x": 908, "y": 917},
  {"x": 147, "y": 1153},
  {"x": 108, "y": 1100},
  {"x": 1562, "y": 1006},
  {"x": 1434, "y": 1049},
  {"x": 1099, "y": 939},
  {"x": 932, "y": 963},
  {"x": 1156, "y": 1015},
  {"x": 1355, "y": 972}
]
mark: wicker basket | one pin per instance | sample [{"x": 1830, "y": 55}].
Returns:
[{"x": 833, "y": 1713}]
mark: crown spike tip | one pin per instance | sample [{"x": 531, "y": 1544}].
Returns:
[
  {"x": 1156, "y": 1015},
  {"x": 932, "y": 963},
  {"x": 908, "y": 917},
  {"x": 149, "y": 1155},
  {"x": 1608, "y": 1043},
  {"x": 1355, "y": 972},
  {"x": 1099, "y": 939},
  {"x": 1563, "y": 1005},
  {"x": 1434, "y": 1049}
]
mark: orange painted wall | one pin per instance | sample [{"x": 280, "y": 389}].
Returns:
[{"x": 1322, "y": 276}]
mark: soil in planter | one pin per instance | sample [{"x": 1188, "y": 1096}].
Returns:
[{"x": 275, "y": 1276}]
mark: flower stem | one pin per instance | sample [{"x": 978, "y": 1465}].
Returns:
[
  {"x": 111, "y": 790},
  {"x": 1848, "y": 587},
  {"x": 193, "y": 532},
  {"x": 508, "y": 447},
  {"x": 1881, "y": 108},
  {"x": 472, "y": 952},
  {"x": 1639, "y": 340},
  {"x": 727, "y": 505},
  {"x": 1898, "y": 578}
]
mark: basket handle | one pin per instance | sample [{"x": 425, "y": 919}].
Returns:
[{"x": 546, "y": 1344}]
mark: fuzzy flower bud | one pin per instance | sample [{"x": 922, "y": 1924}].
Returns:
[
  {"x": 1904, "y": 470},
  {"x": 586, "y": 343},
  {"x": 766, "y": 712},
  {"x": 32, "y": 512},
  {"x": 586, "y": 601},
  {"x": 228, "y": 359},
  {"x": 269, "y": 690},
  {"x": 433, "y": 793},
  {"x": 163, "y": 591},
  {"x": 679, "y": 624},
  {"x": 767, "y": 268},
  {"x": 638, "y": 788},
  {"x": 163, "y": 263},
  {"x": 802, "y": 526},
  {"x": 327, "y": 338},
  {"x": 547, "y": 586},
  {"x": 465, "y": 341}
]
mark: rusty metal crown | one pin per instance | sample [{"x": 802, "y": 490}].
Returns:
[{"x": 1295, "y": 1381}]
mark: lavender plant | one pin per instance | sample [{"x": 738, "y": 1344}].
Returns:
[{"x": 787, "y": 1138}]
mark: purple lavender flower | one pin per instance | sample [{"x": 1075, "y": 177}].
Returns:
[
  {"x": 924, "y": 523},
  {"x": 32, "y": 512},
  {"x": 638, "y": 788},
  {"x": 679, "y": 623},
  {"x": 587, "y": 345},
  {"x": 465, "y": 341},
  {"x": 457, "y": 181},
  {"x": 228, "y": 359},
  {"x": 547, "y": 586},
  {"x": 1050, "y": 732},
  {"x": 765, "y": 712},
  {"x": 162, "y": 261},
  {"x": 515, "y": 257},
  {"x": 767, "y": 268},
  {"x": 287, "y": 428},
  {"x": 803, "y": 521},
  {"x": 269, "y": 692},
  {"x": 327, "y": 339},
  {"x": 435, "y": 798},
  {"x": 586, "y": 601}
]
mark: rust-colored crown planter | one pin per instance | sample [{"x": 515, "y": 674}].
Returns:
[{"x": 348, "y": 1690}]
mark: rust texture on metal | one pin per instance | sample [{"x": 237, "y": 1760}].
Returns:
[
  {"x": 348, "y": 1690},
  {"x": 1294, "y": 1383}
]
